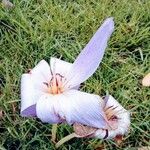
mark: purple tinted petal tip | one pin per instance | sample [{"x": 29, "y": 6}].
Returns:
[
  {"x": 109, "y": 22},
  {"x": 29, "y": 112},
  {"x": 89, "y": 59}
]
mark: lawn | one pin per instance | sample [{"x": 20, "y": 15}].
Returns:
[{"x": 38, "y": 29}]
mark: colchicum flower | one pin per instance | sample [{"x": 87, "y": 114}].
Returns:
[
  {"x": 51, "y": 92},
  {"x": 117, "y": 121},
  {"x": 117, "y": 118}
]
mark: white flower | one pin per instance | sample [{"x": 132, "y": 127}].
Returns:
[
  {"x": 117, "y": 118},
  {"x": 51, "y": 92}
]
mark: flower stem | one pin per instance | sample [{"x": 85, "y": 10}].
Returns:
[
  {"x": 65, "y": 139},
  {"x": 54, "y": 131}
]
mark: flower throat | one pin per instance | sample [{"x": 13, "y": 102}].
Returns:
[{"x": 55, "y": 86}]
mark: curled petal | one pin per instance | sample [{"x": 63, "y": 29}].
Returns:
[
  {"x": 29, "y": 96},
  {"x": 83, "y": 108},
  {"x": 70, "y": 108},
  {"x": 89, "y": 59},
  {"x": 123, "y": 121}
]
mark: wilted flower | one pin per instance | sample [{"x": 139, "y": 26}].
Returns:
[
  {"x": 117, "y": 118},
  {"x": 117, "y": 121},
  {"x": 50, "y": 92}
]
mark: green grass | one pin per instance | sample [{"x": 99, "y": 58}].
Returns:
[{"x": 36, "y": 30}]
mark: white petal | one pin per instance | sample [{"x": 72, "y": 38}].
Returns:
[
  {"x": 72, "y": 106},
  {"x": 41, "y": 73},
  {"x": 89, "y": 59},
  {"x": 59, "y": 66},
  {"x": 46, "y": 109},
  {"x": 29, "y": 95},
  {"x": 100, "y": 133},
  {"x": 110, "y": 101}
]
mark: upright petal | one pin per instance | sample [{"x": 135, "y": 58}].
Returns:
[
  {"x": 69, "y": 107},
  {"x": 59, "y": 66},
  {"x": 89, "y": 59},
  {"x": 40, "y": 74},
  {"x": 29, "y": 96}
]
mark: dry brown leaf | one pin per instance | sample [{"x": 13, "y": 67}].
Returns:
[
  {"x": 118, "y": 139},
  {"x": 100, "y": 147},
  {"x": 146, "y": 80},
  {"x": 83, "y": 131}
]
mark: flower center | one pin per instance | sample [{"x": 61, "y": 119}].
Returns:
[{"x": 55, "y": 86}]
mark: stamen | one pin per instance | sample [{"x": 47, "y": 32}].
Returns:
[
  {"x": 105, "y": 109},
  {"x": 114, "y": 108},
  {"x": 55, "y": 84},
  {"x": 113, "y": 118},
  {"x": 59, "y": 75},
  {"x": 45, "y": 83}
]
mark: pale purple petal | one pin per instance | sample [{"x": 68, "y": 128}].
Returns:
[
  {"x": 29, "y": 111},
  {"x": 72, "y": 106},
  {"x": 29, "y": 96},
  {"x": 83, "y": 108},
  {"x": 89, "y": 59}
]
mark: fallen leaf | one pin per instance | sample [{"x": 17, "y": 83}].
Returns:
[
  {"x": 118, "y": 139},
  {"x": 83, "y": 131},
  {"x": 146, "y": 80}
]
